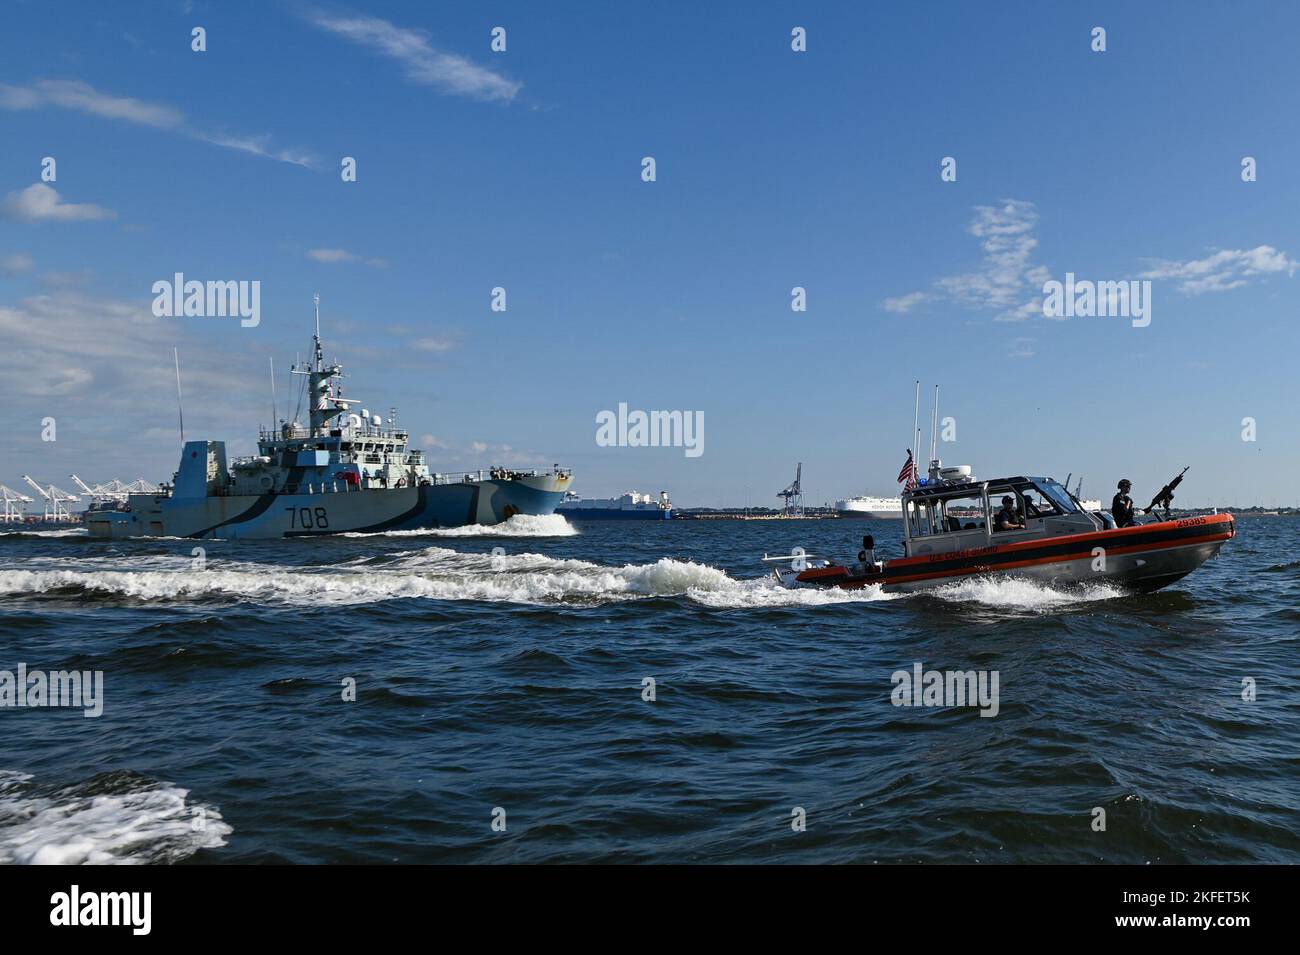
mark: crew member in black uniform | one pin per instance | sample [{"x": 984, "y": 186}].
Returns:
[
  {"x": 1121, "y": 508},
  {"x": 867, "y": 556},
  {"x": 1008, "y": 519}
]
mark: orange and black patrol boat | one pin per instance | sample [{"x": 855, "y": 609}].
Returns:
[{"x": 952, "y": 530}]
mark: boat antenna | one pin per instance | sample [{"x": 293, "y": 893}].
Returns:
[
  {"x": 934, "y": 420},
  {"x": 180, "y": 407}
]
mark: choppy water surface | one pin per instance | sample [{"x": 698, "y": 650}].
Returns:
[{"x": 514, "y": 680}]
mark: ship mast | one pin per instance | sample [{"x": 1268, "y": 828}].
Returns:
[
  {"x": 323, "y": 404},
  {"x": 319, "y": 357}
]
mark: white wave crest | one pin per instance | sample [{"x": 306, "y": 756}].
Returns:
[
  {"x": 767, "y": 593},
  {"x": 521, "y": 525},
  {"x": 7, "y": 529},
  {"x": 152, "y": 825},
  {"x": 1019, "y": 593}
]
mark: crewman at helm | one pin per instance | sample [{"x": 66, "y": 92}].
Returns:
[
  {"x": 867, "y": 556},
  {"x": 1121, "y": 508},
  {"x": 1008, "y": 519}
]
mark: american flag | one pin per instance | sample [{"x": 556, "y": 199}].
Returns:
[{"x": 908, "y": 473}]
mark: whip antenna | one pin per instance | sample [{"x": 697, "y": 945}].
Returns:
[{"x": 180, "y": 407}]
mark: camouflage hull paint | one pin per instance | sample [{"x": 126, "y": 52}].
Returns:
[{"x": 275, "y": 516}]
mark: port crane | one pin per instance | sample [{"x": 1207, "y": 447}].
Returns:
[
  {"x": 13, "y": 502},
  {"x": 55, "y": 499},
  {"x": 114, "y": 490},
  {"x": 793, "y": 494}
]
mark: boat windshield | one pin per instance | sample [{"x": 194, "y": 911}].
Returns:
[{"x": 1058, "y": 496}]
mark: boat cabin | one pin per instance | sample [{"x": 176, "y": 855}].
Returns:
[{"x": 952, "y": 511}]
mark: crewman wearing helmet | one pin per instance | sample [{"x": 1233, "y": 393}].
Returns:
[{"x": 1121, "y": 508}]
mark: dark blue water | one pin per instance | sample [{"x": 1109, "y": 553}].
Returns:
[{"x": 514, "y": 681}]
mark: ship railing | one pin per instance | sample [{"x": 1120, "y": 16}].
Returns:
[
  {"x": 279, "y": 434},
  {"x": 495, "y": 474}
]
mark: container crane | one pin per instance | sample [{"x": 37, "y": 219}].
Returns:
[
  {"x": 793, "y": 494},
  {"x": 13, "y": 502},
  {"x": 55, "y": 499}
]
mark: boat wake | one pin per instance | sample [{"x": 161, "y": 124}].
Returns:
[
  {"x": 37, "y": 535},
  {"x": 433, "y": 573},
  {"x": 118, "y": 818},
  {"x": 521, "y": 525}
]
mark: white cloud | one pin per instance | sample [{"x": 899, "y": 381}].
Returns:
[
  {"x": 79, "y": 277},
  {"x": 259, "y": 146},
  {"x": 1021, "y": 348},
  {"x": 905, "y": 303},
  {"x": 433, "y": 344},
  {"x": 76, "y": 95},
  {"x": 42, "y": 203},
  {"x": 331, "y": 256},
  {"x": 48, "y": 333},
  {"x": 1007, "y": 275},
  {"x": 103, "y": 367},
  {"x": 84, "y": 98},
  {"x": 421, "y": 63},
  {"x": 18, "y": 262},
  {"x": 1222, "y": 270},
  {"x": 1010, "y": 282}
]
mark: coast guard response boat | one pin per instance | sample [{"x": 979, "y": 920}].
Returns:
[
  {"x": 951, "y": 532},
  {"x": 344, "y": 473}
]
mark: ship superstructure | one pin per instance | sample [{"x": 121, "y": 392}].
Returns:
[{"x": 341, "y": 473}]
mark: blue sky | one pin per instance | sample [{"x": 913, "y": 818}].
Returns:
[{"x": 775, "y": 169}]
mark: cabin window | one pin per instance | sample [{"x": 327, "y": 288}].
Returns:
[
  {"x": 923, "y": 518},
  {"x": 963, "y": 513},
  {"x": 996, "y": 494},
  {"x": 1036, "y": 504},
  {"x": 1060, "y": 498}
]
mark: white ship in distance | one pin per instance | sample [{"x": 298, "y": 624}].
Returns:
[{"x": 881, "y": 508}]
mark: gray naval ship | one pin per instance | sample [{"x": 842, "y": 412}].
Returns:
[{"x": 346, "y": 473}]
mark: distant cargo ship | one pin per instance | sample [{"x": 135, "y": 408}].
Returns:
[
  {"x": 632, "y": 506},
  {"x": 881, "y": 508}
]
